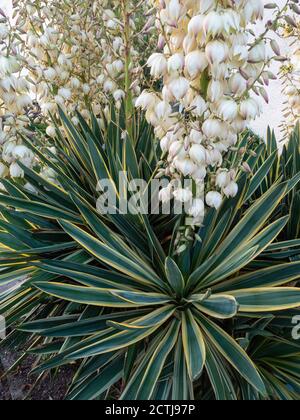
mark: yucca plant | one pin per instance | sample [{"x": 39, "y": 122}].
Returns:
[
  {"x": 283, "y": 166},
  {"x": 110, "y": 294}
]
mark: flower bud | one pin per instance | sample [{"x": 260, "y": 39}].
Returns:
[{"x": 231, "y": 189}]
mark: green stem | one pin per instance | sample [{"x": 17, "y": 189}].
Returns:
[{"x": 128, "y": 81}]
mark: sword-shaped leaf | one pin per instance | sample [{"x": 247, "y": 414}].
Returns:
[
  {"x": 101, "y": 297},
  {"x": 157, "y": 361},
  {"x": 232, "y": 352},
  {"x": 267, "y": 299},
  {"x": 174, "y": 276},
  {"x": 193, "y": 344},
  {"x": 217, "y": 306}
]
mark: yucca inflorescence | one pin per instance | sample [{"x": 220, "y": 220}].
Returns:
[
  {"x": 290, "y": 71},
  {"x": 213, "y": 68},
  {"x": 79, "y": 55},
  {"x": 148, "y": 304},
  {"x": 109, "y": 294}
]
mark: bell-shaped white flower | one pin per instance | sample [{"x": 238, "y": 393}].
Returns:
[
  {"x": 237, "y": 84},
  {"x": 165, "y": 194},
  {"x": 119, "y": 94},
  {"x": 213, "y": 24},
  {"x": 198, "y": 106},
  {"x": 216, "y": 90},
  {"x": 186, "y": 166},
  {"x": 177, "y": 150},
  {"x": 197, "y": 208},
  {"x": 86, "y": 88},
  {"x": 30, "y": 188},
  {"x": 24, "y": 155},
  {"x": 199, "y": 174},
  {"x": 217, "y": 51},
  {"x": 223, "y": 178},
  {"x": 50, "y": 74},
  {"x": 174, "y": 11},
  {"x": 51, "y": 131},
  {"x": 214, "y": 157},
  {"x": 253, "y": 10},
  {"x": 179, "y": 87},
  {"x": 175, "y": 63},
  {"x": 65, "y": 93},
  {"x": 227, "y": 109},
  {"x": 165, "y": 144},
  {"x": 231, "y": 21},
  {"x": 213, "y": 128},
  {"x": 4, "y": 31},
  {"x": 195, "y": 63},
  {"x": 163, "y": 110},
  {"x": 9, "y": 65},
  {"x": 195, "y": 26},
  {"x": 109, "y": 86},
  {"x": 196, "y": 136},
  {"x": 214, "y": 199},
  {"x": 231, "y": 189},
  {"x": 158, "y": 64},
  {"x": 249, "y": 109},
  {"x": 240, "y": 53},
  {"x": 7, "y": 151},
  {"x": 146, "y": 100},
  {"x": 183, "y": 195}
]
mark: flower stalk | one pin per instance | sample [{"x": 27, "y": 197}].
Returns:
[{"x": 127, "y": 59}]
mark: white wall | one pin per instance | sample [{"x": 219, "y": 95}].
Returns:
[
  {"x": 5, "y": 5},
  {"x": 272, "y": 112}
]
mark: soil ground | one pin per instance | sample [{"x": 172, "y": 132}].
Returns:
[{"x": 20, "y": 384}]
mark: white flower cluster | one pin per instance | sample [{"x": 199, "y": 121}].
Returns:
[
  {"x": 14, "y": 103},
  {"x": 291, "y": 73},
  {"x": 209, "y": 64},
  {"x": 76, "y": 54}
]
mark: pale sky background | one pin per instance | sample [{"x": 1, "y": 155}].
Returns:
[
  {"x": 5, "y": 5},
  {"x": 272, "y": 113}
]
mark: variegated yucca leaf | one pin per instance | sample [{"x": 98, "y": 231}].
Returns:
[{"x": 109, "y": 293}]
